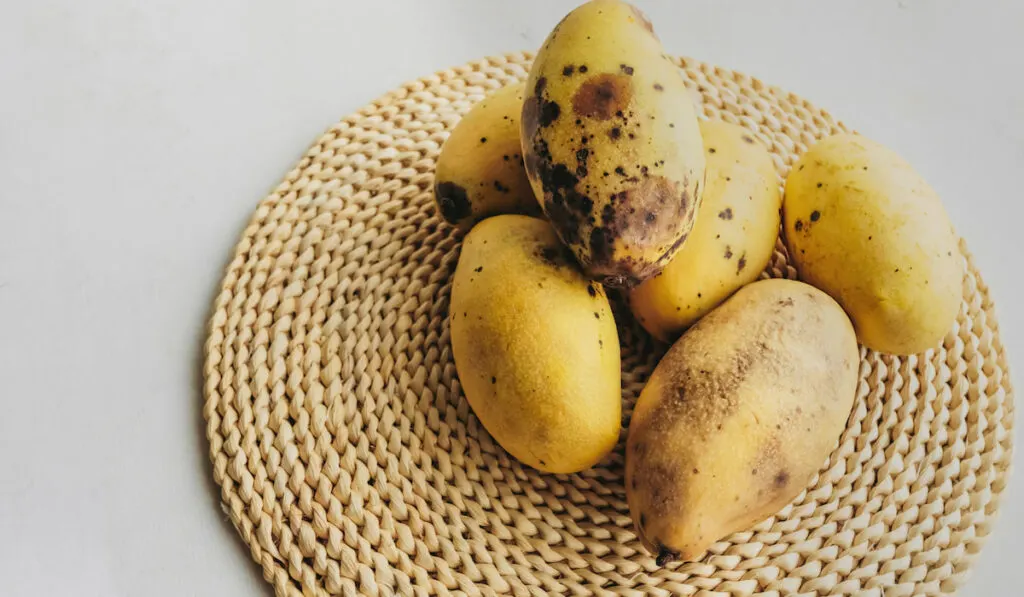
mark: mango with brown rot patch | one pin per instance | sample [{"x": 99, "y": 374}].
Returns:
[
  {"x": 611, "y": 143},
  {"x": 738, "y": 416}
]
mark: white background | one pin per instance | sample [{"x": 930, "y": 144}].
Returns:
[{"x": 137, "y": 137}]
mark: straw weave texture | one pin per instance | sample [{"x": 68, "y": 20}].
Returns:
[{"x": 350, "y": 462}]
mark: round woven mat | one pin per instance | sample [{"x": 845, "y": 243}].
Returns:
[{"x": 351, "y": 463}]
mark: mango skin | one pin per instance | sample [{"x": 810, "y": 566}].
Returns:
[
  {"x": 535, "y": 346},
  {"x": 864, "y": 227},
  {"x": 611, "y": 142},
  {"x": 738, "y": 416},
  {"x": 480, "y": 170},
  {"x": 732, "y": 241}
]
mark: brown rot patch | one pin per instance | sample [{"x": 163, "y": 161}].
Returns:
[
  {"x": 748, "y": 139},
  {"x": 658, "y": 87},
  {"x": 786, "y": 302},
  {"x": 781, "y": 479},
  {"x": 602, "y": 96},
  {"x": 638, "y": 214},
  {"x": 648, "y": 214},
  {"x": 742, "y": 263},
  {"x": 725, "y": 214},
  {"x": 452, "y": 200}
]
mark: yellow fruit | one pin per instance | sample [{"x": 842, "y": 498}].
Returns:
[
  {"x": 611, "y": 142},
  {"x": 738, "y": 416},
  {"x": 535, "y": 346},
  {"x": 480, "y": 171},
  {"x": 732, "y": 240},
  {"x": 864, "y": 227}
]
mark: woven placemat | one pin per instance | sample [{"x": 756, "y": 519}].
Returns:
[{"x": 351, "y": 463}]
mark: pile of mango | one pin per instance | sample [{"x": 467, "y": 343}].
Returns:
[{"x": 596, "y": 176}]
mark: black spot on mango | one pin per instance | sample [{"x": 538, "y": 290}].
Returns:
[
  {"x": 453, "y": 201},
  {"x": 549, "y": 112}
]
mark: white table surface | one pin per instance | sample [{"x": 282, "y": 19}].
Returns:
[{"x": 137, "y": 137}]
